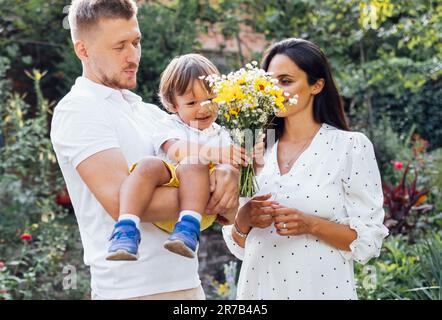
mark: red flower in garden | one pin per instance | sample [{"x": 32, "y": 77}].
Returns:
[
  {"x": 26, "y": 236},
  {"x": 63, "y": 198},
  {"x": 398, "y": 165},
  {"x": 2, "y": 264}
]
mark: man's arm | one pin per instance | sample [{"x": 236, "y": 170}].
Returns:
[{"x": 105, "y": 171}]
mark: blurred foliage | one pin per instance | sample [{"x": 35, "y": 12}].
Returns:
[
  {"x": 401, "y": 201},
  {"x": 394, "y": 153},
  {"x": 402, "y": 271},
  {"x": 225, "y": 290},
  {"x": 386, "y": 54},
  {"x": 31, "y": 34},
  {"x": 38, "y": 238},
  {"x": 386, "y": 57}
]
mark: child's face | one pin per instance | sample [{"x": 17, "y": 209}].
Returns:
[{"x": 191, "y": 107}]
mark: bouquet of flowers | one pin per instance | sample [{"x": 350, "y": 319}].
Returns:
[{"x": 246, "y": 100}]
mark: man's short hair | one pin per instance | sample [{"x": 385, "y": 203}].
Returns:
[
  {"x": 84, "y": 14},
  {"x": 181, "y": 72}
]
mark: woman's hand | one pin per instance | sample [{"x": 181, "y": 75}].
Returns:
[
  {"x": 257, "y": 213},
  {"x": 292, "y": 222}
]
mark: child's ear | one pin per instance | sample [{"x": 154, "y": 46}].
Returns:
[
  {"x": 318, "y": 86},
  {"x": 173, "y": 109}
]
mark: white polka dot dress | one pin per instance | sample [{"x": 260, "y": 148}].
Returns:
[{"x": 335, "y": 178}]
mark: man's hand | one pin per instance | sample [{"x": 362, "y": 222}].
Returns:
[
  {"x": 224, "y": 189},
  {"x": 228, "y": 217}
]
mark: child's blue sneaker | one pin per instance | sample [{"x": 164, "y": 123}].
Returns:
[
  {"x": 184, "y": 238},
  {"x": 125, "y": 240}
]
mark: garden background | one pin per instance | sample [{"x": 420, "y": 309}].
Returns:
[{"x": 386, "y": 56}]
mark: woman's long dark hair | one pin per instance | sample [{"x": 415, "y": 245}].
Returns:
[{"x": 327, "y": 105}]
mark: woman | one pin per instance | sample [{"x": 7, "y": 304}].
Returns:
[{"x": 327, "y": 206}]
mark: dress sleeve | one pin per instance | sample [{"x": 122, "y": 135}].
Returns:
[
  {"x": 363, "y": 201},
  {"x": 233, "y": 247},
  {"x": 80, "y": 129}
]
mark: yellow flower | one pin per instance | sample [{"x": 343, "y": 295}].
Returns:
[
  {"x": 223, "y": 289},
  {"x": 234, "y": 111},
  {"x": 279, "y": 101},
  {"x": 225, "y": 93},
  {"x": 279, "y": 98},
  {"x": 229, "y": 92},
  {"x": 261, "y": 84},
  {"x": 237, "y": 92},
  {"x": 241, "y": 80},
  {"x": 34, "y": 226}
]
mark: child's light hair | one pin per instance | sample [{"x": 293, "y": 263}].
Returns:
[{"x": 180, "y": 74}]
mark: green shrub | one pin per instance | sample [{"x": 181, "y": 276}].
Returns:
[
  {"x": 403, "y": 271},
  {"x": 428, "y": 283},
  {"x": 38, "y": 237}
]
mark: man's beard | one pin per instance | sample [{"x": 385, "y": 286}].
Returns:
[{"x": 115, "y": 82}]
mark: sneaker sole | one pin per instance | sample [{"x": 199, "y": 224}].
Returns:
[
  {"x": 178, "y": 247},
  {"x": 121, "y": 255}
]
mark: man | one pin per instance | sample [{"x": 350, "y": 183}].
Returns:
[{"x": 98, "y": 130}]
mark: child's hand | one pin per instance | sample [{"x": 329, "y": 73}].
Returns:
[
  {"x": 258, "y": 153},
  {"x": 233, "y": 155}
]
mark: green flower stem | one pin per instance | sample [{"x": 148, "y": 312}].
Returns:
[{"x": 248, "y": 185}]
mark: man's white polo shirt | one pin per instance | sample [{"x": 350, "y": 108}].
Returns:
[{"x": 92, "y": 118}]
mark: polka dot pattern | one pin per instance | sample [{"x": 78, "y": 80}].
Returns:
[{"x": 345, "y": 191}]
